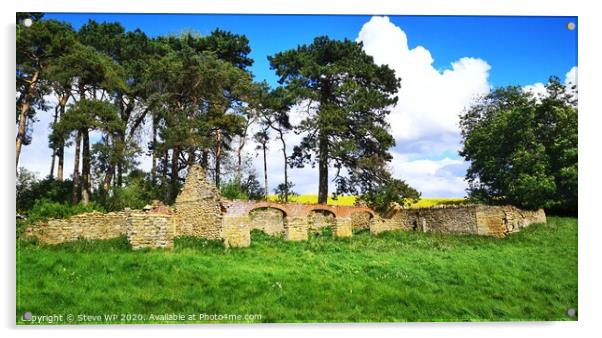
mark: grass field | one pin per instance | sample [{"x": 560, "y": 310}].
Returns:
[
  {"x": 396, "y": 276},
  {"x": 350, "y": 200}
]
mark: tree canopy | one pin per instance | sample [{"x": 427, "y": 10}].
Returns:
[
  {"x": 347, "y": 97},
  {"x": 522, "y": 148}
]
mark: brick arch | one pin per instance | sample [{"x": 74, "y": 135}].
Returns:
[
  {"x": 278, "y": 207},
  {"x": 326, "y": 208}
]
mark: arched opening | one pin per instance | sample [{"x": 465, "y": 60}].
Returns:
[
  {"x": 267, "y": 219},
  {"x": 321, "y": 221}
]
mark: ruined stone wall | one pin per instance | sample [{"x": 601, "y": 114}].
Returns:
[
  {"x": 495, "y": 221},
  {"x": 318, "y": 219},
  {"x": 236, "y": 231},
  {"x": 90, "y": 226},
  {"x": 296, "y": 229},
  {"x": 198, "y": 209},
  {"x": 360, "y": 220},
  {"x": 503, "y": 220},
  {"x": 268, "y": 220},
  {"x": 149, "y": 230}
]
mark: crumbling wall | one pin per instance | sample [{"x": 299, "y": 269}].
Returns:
[
  {"x": 360, "y": 220},
  {"x": 495, "y": 221},
  {"x": 198, "y": 209},
  {"x": 296, "y": 229},
  {"x": 90, "y": 226},
  {"x": 150, "y": 230},
  {"x": 502, "y": 220},
  {"x": 269, "y": 220},
  {"x": 318, "y": 219},
  {"x": 236, "y": 231}
]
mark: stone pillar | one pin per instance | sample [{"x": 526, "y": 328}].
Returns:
[
  {"x": 236, "y": 231},
  {"x": 295, "y": 229},
  {"x": 147, "y": 230},
  {"x": 343, "y": 228}
]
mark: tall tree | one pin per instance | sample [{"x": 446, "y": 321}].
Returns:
[
  {"x": 523, "y": 149},
  {"x": 274, "y": 115},
  {"x": 36, "y": 47},
  {"x": 348, "y": 98},
  {"x": 95, "y": 77}
]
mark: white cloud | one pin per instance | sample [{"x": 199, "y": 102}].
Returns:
[
  {"x": 429, "y": 100},
  {"x": 425, "y": 120},
  {"x": 539, "y": 88}
]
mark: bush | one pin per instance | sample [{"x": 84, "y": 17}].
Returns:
[
  {"x": 29, "y": 189},
  {"x": 44, "y": 209}
]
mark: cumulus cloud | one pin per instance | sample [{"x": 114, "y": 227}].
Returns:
[
  {"x": 429, "y": 100},
  {"x": 425, "y": 120}
]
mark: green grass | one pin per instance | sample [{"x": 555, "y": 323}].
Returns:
[
  {"x": 396, "y": 276},
  {"x": 350, "y": 200}
]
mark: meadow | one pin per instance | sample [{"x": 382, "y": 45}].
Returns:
[{"x": 393, "y": 277}]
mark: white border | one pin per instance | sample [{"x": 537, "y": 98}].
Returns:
[{"x": 589, "y": 138}]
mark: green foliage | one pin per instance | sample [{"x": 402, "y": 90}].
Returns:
[
  {"x": 396, "y": 276},
  {"x": 391, "y": 191},
  {"x": 29, "y": 189},
  {"x": 522, "y": 149},
  {"x": 246, "y": 189},
  {"x": 233, "y": 190},
  {"x": 284, "y": 192},
  {"x": 347, "y": 128},
  {"x": 44, "y": 209}
]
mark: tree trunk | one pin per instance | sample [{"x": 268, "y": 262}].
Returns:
[
  {"x": 218, "y": 156},
  {"x": 60, "y": 150},
  {"x": 265, "y": 170},
  {"x": 75, "y": 192},
  {"x": 25, "y": 106},
  {"x": 52, "y": 163},
  {"x": 61, "y": 157},
  {"x": 86, "y": 178},
  {"x": 285, "y": 166},
  {"x": 323, "y": 170},
  {"x": 153, "y": 158},
  {"x": 205, "y": 159},
  {"x": 174, "y": 174},
  {"x": 164, "y": 185}
]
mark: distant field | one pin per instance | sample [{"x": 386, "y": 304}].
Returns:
[
  {"x": 395, "y": 276},
  {"x": 350, "y": 200}
]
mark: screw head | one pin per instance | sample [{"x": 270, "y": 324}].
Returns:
[
  {"x": 27, "y": 22},
  {"x": 571, "y": 312},
  {"x": 27, "y": 316},
  {"x": 571, "y": 26}
]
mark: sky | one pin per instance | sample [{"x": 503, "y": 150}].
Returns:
[{"x": 444, "y": 63}]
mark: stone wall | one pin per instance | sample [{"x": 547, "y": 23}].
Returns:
[
  {"x": 198, "y": 208},
  {"x": 296, "y": 229},
  {"x": 150, "y": 230},
  {"x": 318, "y": 219},
  {"x": 495, "y": 221},
  {"x": 90, "y": 226},
  {"x": 268, "y": 220},
  {"x": 236, "y": 231},
  {"x": 360, "y": 220}
]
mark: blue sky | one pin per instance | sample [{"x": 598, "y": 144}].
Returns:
[
  {"x": 513, "y": 46},
  {"x": 444, "y": 61}
]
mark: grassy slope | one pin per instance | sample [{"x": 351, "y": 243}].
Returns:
[{"x": 397, "y": 276}]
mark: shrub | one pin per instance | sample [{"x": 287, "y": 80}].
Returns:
[{"x": 44, "y": 209}]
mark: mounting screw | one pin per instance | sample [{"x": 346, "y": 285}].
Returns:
[
  {"x": 571, "y": 312},
  {"x": 570, "y": 26},
  {"x": 27, "y": 22}
]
